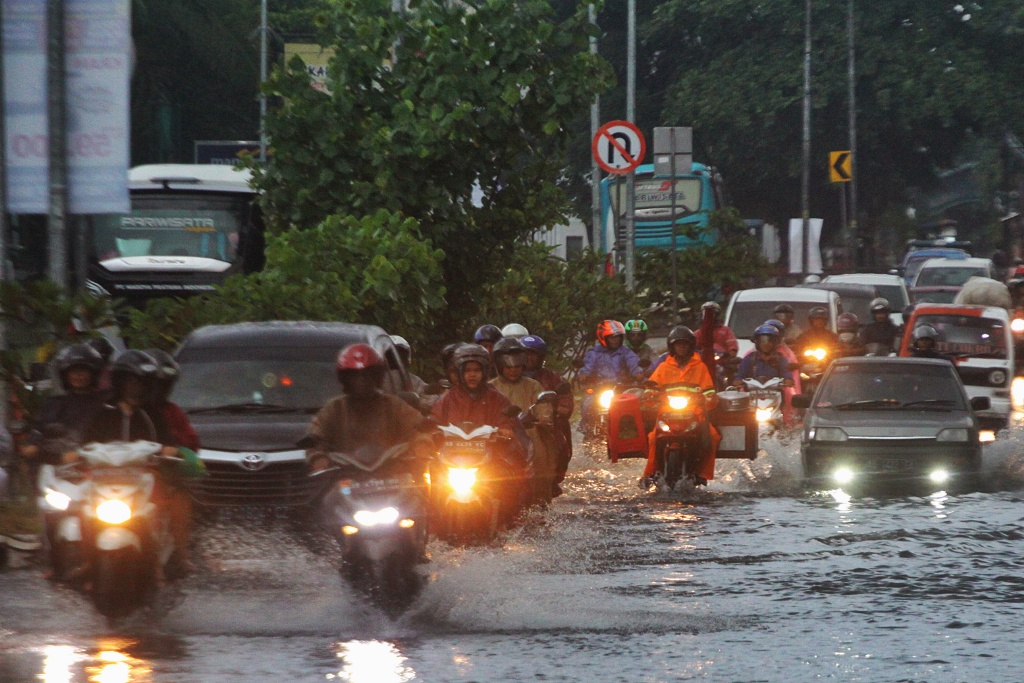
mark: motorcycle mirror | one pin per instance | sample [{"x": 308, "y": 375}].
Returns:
[
  {"x": 563, "y": 389},
  {"x": 644, "y": 363},
  {"x": 547, "y": 397},
  {"x": 578, "y": 363}
]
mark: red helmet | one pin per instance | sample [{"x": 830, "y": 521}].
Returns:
[
  {"x": 609, "y": 328},
  {"x": 359, "y": 357}
]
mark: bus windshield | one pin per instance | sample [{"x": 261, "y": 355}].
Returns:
[
  {"x": 653, "y": 199},
  {"x": 202, "y": 226}
]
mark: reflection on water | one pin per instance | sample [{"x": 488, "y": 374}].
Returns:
[
  {"x": 57, "y": 663},
  {"x": 372, "y": 661},
  {"x": 111, "y": 663}
]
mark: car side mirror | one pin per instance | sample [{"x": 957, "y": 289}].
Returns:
[
  {"x": 546, "y": 397},
  {"x": 802, "y": 401},
  {"x": 981, "y": 403}
]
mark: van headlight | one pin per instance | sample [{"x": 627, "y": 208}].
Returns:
[
  {"x": 605, "y": 400},
  {"x": 997, "y": 378},
  {"x": 958, "y": 435},
  {"x": 114, "y": 511}
]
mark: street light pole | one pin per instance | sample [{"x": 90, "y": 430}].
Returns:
[
  {"x": 57, "y": 269},
  {"x": 805, "y": 198},
  {"x": 631, "y": 117},
  {"x": 851, "y": 64}
]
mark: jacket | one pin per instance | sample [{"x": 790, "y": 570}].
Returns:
[
  {"x": 112, "y": 424},
  {"x": 755, "y": 365},
  {"x": 74, "y": 412},
  {"x": 603, "y": 364},
  {"x": 173, "y": 427},
  {"x": 344, "y": 425},
  {"x": 879, "y": 333},
  {"x": 693, "y": 372}
]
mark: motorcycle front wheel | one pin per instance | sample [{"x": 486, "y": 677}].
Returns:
[{"x": 119, "y": 582}]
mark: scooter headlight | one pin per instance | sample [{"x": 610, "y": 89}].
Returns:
[
  {"x": 462, "y": 480},
  {"x": 678, "y": 402},
  {"x": 606, "y": 398},
  {"x": 764, "y": 414},
  {"x": 367, "y": 518},
  {"x": 815, "y": 354},
  {"x": 114, "y": 511},
  {"x": 57, "y": 500}
]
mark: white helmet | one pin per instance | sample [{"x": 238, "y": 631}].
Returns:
[
  {"x": 812, "y": 279},
  {"x": 400, "y": 342},
  {"x": 514, "y": 330}
]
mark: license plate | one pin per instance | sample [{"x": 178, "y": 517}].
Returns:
[
  {"x": 465, "y": 446},
  {"x": 890, "y": 465}
]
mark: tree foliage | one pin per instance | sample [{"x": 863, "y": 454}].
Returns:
[
  {"x": 457, "y": 114},
  {"x": 376, "y": 270}
]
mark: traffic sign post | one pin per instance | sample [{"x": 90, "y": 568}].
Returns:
[
  {"x": 840, "y": 166},
  {"x": 619, "y": 147}
]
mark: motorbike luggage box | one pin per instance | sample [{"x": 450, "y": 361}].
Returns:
[
  {"x": 626, "y": 435},
  {"x": 739, "y": 432},
  {"x": 733, "y": 401}
]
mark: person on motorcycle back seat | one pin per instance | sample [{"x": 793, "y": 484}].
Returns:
[
  {"x": 713, "y": 334},
  {"x": 365, "y": 416},
  {"x": 405, "y": 353},
  {"x": 79, "y": 368},
  {"x": 849, "y": 340},
  {"x": 133, "y": 376},
  {"x": 766, "y": 360},
  {"x": 924, "y": 337},
  {"x": 536, "y": 351},
  {"x": 785, "y": 314},
  {"x": 817, "y": 335},
  {"x": 882, "y": 331},
  {"x": 472, "y": 400},
  {"x": 636, "y": 340},
  {"x": 683, "y": 365},
  {"x": 447, "y": 363}
]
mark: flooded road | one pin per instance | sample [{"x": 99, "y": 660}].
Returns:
[{"x": 752, "y": 580}]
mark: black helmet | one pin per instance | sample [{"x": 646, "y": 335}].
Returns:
[
  {"x": 78, "y": 355},
  {"x": 681, "y": 333},
  {"x": 487, "y": 333},
  {"x": 168, "y": 371},
  {"x": 783, "y": 309},
  {"x": 880, "y": 305},
  {"x": 103, "y": 347},
  {"x": 925, "y": 331},
  {"x": 135, "y": 364},
  {"x": 818, "y": 313},
  {"x": 509, "y": 352},
  {"x": 471, "y": 353},
  {"x": 447, "y": 353}
]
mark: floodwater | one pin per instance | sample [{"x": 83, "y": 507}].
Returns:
[{"x": 754, "y": 579}]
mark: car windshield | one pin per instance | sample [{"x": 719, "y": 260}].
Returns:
[
  {"x": 966, "y": 335},
  {"x": 894, "y": 294},
  {"x": 948, "y": 276},
  {"x": 890, "y": 384},
  {"x": 246, "y": 378},
  {"x": 746, "y": 316}
]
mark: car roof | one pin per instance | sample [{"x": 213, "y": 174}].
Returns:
[
  {"x": 890, "y": 360},
  {"x": 866, "y": 278},
  {"x": 958, "y": 254},
  {"x": 197, "y": 177},
  {"x": 282, "y": 333},
  {"x": 957, "y": 263},
  {"x": 849, "y": 288},
  {"x": 783, "y": 294}
]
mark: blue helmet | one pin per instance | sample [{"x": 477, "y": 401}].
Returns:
[
  {"x": 487, "y": 333},
  {"x": 534, "y": 343},
  {"x": 777, "y": 324},
  {"x": 768, "y": 329}
]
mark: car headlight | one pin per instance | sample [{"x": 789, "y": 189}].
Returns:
[
  {"x": 815, "y": 354},
  {"x": 939, "y": 476},
  {"x": 678, "y": 402},
  {"x": 114, "y": 511},
  {"x": 367, "y": 518},
  {"x": 829, "y": 434},
  {"x": 606, "y": 398},
  {"x": 958, "y": 435},
  {"x": 843, "y": 475},
  {"x": 462, "y": 480},
  {"x": 997, "y": 378},
  {"x": 57, "y": 500}
]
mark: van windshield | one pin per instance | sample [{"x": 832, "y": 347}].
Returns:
[
  {"x": 965, "y": 335},
  {"x": 747, "y": 316}
]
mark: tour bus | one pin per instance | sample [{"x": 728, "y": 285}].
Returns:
[
  {"x": 697, "y": 194},
  {"x": 191, "y": 226}
]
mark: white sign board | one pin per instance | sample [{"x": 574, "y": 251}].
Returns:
[
  {"x": 98, "y": 73},
  {"x": 24, "y": 45},
  {"x": 796, "y": 245}
]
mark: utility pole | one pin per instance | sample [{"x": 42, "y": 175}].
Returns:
[
  {"x": 4, "y": 275},
  {"x": 805, "y": 198},
  {"x": 631, "y": 117},
  {"x": 56, "y": 75},
  {"x": 853, "y": 236},
  {"x": 263, "y": 79},
  {"x": 597, "y": 226}
]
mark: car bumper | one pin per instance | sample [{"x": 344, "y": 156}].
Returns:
[{"x": 890, "y": 461}]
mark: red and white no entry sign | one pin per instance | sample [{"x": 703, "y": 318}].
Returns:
[{"x": 618, "y": 147}]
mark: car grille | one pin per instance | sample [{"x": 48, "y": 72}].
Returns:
[{"x": 284, "y": 484}]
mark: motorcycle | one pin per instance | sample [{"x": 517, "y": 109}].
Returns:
[
  {"x": 473, "y": 491},
  {"x": 815, "y": 362},
  {"x": 595, "y": 422},
  {"x": 379, "y": 521},
  {"x": 681, "y": 432},
  {"x": 540, "y": 417},
  {"x": 121, "y": 529},
  {"x": 766, "y": 399}
]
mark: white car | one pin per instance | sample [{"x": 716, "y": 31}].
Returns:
[
  {"x": 891, "y": 287},
  {"x": 749, "y": 308},
  {"x": 944, "y": 272}
]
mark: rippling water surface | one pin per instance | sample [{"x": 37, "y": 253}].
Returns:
[{"x": 754, "y": 579}]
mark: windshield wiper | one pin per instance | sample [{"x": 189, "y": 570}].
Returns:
[
  {"x": 247, "y": 408},
  {"x": 940, "y": 403},
  {"x": 868, "y": 403}
]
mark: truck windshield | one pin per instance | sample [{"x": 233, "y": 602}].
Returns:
[{"x": 166, "y": 224}]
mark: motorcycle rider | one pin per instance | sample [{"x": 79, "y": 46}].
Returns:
[
  {"x": 817, "y": 334},
  {"x": 766, "y": 360},
  {"x": 636, "y": 340},
  {"x": 405, "y": 354},
  {"x": 607, "y": 361},
  {"x": 536, "y": 351},
  {"x": 472, "y": 400},
  {"x": 786, "y": 315},
  {"x": 522, "y": 391},
  {"x": 514, "y": 330},
  {"x": 923, "y": 339},
  {"x": 683, "y": 365},
  {"x": 363, "y": 415},
  {"x": 124, "y": 418},
  {"x": 447, "y": 366},
  {"x": 882, "y": 332},
  {"x": 849, "y": 341},
  {"x": 714, "y": 336}
]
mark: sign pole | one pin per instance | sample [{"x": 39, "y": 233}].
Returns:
[
  {"x": 805, "y": 195},
  {"x": 597, "y": 226},
  {"x": 57, "y": 123},
  {"x": 672, "y": 213},
  {"x": 263, "y": 79},
  {"x": 851, "y": 64},
  {"x": 631, "y": 117}
]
